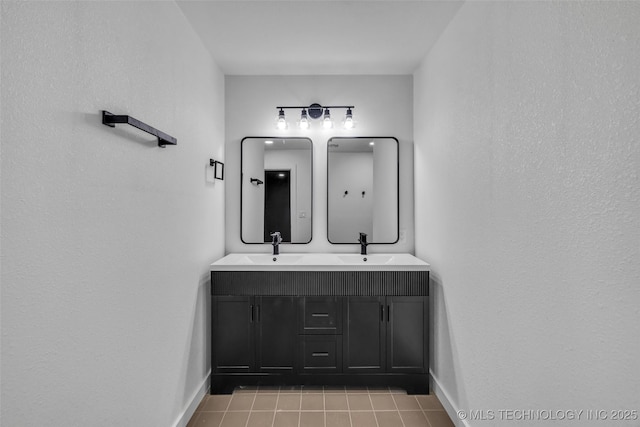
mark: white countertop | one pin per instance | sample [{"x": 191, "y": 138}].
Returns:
[{"x": 319, "y": 262}]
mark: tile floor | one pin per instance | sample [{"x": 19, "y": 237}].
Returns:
[{"x": 320, "y": 407}]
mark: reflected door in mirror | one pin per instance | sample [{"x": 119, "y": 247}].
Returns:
[{"x": 277, "y": 204}]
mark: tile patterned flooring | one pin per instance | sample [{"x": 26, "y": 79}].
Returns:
[{"x": 319, "y": 407}]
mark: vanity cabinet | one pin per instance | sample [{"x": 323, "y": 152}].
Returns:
[
  {"x": 407, "y": 328},
  {"x": 253, "y": 334},
  {"x": 233, "y": 348},
  {"x": 320, "y": 328},
  {"x": 364, "y": 338},
  {"x": 320, "y": 334},
  {"x": 386, "y": 334}
]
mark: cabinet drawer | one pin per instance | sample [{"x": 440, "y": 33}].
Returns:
[
  {"x": 321, "y": 353},
  {"x": 320, "y": 315}
]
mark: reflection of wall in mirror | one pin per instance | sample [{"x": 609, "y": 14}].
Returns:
[
  {"x": 299, "y": 163},
  {"x": 252, "y": 194},
  {"x": 350, "y": 214},
  {"x": 385, "y": 213}
]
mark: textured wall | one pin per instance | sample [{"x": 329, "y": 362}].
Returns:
[
  {"x": 106, "y": 238},
  {"x": 383, "y": 108},
  {"x": 527, "y": 124}
]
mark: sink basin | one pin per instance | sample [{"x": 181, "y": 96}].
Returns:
[
  {"x": 366, "y": 259},
  {"x": 319, "y": 262}
]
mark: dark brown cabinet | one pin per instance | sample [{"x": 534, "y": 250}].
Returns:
[
  {"x": 253, "y": 334},
  {"x": 407, "y": 334},
  {"x": 233, "y": 348},
  {"x": 275, "y": 334},
  {"x": 364, "y": 338},
  {"x": 386, "y": 334},
  {"x": 289, "y": 338}
]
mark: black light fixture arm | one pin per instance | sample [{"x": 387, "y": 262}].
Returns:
[
  {"x": 315, "y": 111},
  {"x": 111, "y": 120},
  {"x": 346, "y": 107}
]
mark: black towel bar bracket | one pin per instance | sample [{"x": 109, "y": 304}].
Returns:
[
  {"x": 218, "y": 169},
  {"x": 111, "y": 120}
]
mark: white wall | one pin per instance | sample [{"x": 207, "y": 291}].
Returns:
[
  {"x": 106, "y": 238},
  {"x": 383, "y": 108},
  {"x": 527, "y": 117},
  {"x": 252, "y": 192},
  {"x": 351, "y": 174},
  {"x": 384, "y": 191}
]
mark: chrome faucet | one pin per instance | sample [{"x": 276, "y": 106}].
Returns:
[
  {"x": 276, "y": 239},
  {"x": 363, "y": 243}
]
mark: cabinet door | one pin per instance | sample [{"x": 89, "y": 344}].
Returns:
[
  {"x": 276, "y": 334},
  {"x": 407, "y": 334},
  {"x": 364, "y": 334},
  {"x": 232, "y": 346}
]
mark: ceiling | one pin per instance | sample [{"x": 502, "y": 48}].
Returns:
[{"x": 315, "y": 37}]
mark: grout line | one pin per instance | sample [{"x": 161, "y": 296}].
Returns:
[
  {"x": 375, "y": 417},
  {"x": 427, "y": 418},
  {"x": 398, "y": 409},
  {"x": 246, "y": 424},
  {"x": 300, "y": 407},
  {"x": 226, "y": 409},
  {"x": 275, "y": 409},
  {"x": 228, "y": 404},
  {"x": 324, "y": 407},
  {"x": 346, "y": 396}
]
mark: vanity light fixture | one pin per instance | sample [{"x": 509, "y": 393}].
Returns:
[
  {"x": 316, "y": 111},
  {"x": 326, "y": 122},
  {"x": 304, "y": 120},
  {"x": 281, "y": 122},
  {"x": 348, "y": 120}
]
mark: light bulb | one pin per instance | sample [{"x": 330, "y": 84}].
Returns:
[
  {"x": 327, "y": 123},
  {"x": 304, "y": 120},
  {"x": 348, "y": 121},
  {"x": 282, "y": 122}
]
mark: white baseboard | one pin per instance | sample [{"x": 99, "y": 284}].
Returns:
[
  {"x": 445, "y": 399},
  {"x": 186, "y": 415}
]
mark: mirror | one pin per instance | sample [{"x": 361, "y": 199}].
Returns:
[
  {"x": 362, "y": 189},
  {"x": 275, "y": 189}
]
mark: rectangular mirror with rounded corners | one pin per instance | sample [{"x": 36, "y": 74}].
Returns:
[
  {"x": 276, "y": 189},
  {"x": 362, "y": 189}
]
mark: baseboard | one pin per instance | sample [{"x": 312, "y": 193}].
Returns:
[
  {"x": 445, "y": 399},
  {"x": 186, "y": 415}
]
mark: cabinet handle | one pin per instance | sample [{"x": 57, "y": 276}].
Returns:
[
  {"x": 382, "y": 313},
  {"x": 320, "y": 354},
  {"x": 251, "y": 313},
  {"x": 319, "y": 314}
]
